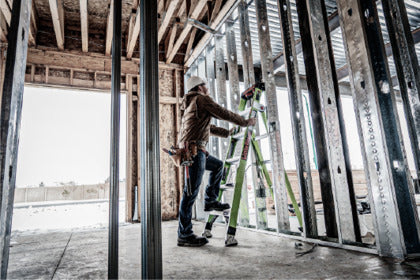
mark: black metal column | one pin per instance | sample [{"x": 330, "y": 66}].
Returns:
[
  {"x": 396, "y": 154},
  {"x": 151, "y": 238},
  {"x": 317, "y": 121},
  {"x": 115, "y": 143},
  {"x": 297, "y": 116},
  {"x": 11, "y": 112},
  {"x": 394, "y": 214},
  {"x": 407, "y": 66}
]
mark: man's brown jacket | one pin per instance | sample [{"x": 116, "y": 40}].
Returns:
[{"x": 198, "y": 109}]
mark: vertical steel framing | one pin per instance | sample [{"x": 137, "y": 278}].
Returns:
[
  {"x": 407, "y": 66},
  {"x": 324, "y": 72},
  {"x": 273, "y": 119},
  {"x": 11, "y": 112},
  {"x": 317, "y": 120},
  {"x": 249, "y": 80},
  {"x": 115, "y": 144},
  {"x": 232, "y": 59},
  {"x": 303, "y": 166},
  {"x": 395, "y": 219},
  {"x": 151, "y": 238},
  {"x": 221, "y": 87},
  {"x": 211, "y": 77}
]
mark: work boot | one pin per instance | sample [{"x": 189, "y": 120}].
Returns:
[
  {"x": 192, "y": 241},
  {"x": 216, "y": 205}
]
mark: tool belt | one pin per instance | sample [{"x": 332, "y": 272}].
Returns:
[{"x": 183, "y": 156}]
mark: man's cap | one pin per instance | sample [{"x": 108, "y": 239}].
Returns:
[{"x": 195, "y": 81}]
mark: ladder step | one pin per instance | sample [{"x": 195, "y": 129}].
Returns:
[
  {"x": 233, "y": 160},
  {"x": 264, "y": 162},
  {"x": 245, "y": 112},
  {"x": 225, "y": 213},
  {"x": 227, "y": 187},
  {"x": 263, "y": 136},
  {"x": 239, "y": 135}
]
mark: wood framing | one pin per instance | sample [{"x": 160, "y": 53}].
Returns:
[
  {"x": 57, "y": 15},
  {"x": 84, "y": 24},
  {"x": 133, "y": 34},
  {"x": 214, "y": 23},
  {"x": 195, "y": 13},
  {"x": 108, "y": 42},
  {"x": 167, "y": 18}
]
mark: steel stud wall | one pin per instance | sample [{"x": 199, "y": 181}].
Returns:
[{"x": 389, "y": 182}]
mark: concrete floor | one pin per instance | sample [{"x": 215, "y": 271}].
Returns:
[{"x": 83, "y": 254}]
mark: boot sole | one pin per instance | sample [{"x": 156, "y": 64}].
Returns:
[
  {"x": 180, "y": 244},
  {"x": 215, "y": 209}
]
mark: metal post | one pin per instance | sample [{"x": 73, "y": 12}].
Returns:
[
  {"x": 273, "y": 119},
  {"x": 297, "y": 116},
  {"x": 11, "y": 112},
  {"x": 221, "y": 87},
  {"x": 249, "y": 80},
  {"x": 327, "y": 87},
  {"x": 151, "y": 238},
  {"x": 317, "y": 120},
  {"x": 395, "y": 217},
  {"x": 211, "y": 76},
  {"x": 115, "y": 144},
  {"x": 234, "y": 104},
  {"x": 407, "y": 66}
]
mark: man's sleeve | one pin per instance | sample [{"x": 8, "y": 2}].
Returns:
[
  {"x": 219, "y": 131},
  {"x": 219, "y": 112}
]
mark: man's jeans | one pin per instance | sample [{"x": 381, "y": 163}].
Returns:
[{"x": 201, "y": 163}]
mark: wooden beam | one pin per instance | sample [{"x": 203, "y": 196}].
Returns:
[
  {"x": 33, "y": 28},
  {"x": 195, "y": 13},
  {"x": 216, "y": 9},
  {"x": 214, "y": 24},
  {"x": 172, "y": 38},
  {"x": 87, "y": 62},
  {"x": 57, "y": 15},
  {"x": 133, "y": 34},
  {"x": 6, "y": 11},
  {"x": 84, "y": 24},
  {"x": 3, "y": 28},
  {"x": 190, "y": 43},
  {"x": 167, "y": 18},
  {"x": 161, "y": 6},
  {"x": 109, "y": 25}
]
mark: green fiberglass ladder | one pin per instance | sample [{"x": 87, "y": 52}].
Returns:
[{"x": 235, "y": 167}]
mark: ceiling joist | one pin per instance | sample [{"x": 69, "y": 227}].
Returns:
[
  {"x": 213, "y": 24},
  {"x": 198, "y": 8},
  {"x": 109, "y": 30},
  {"x": 84, "y": 24},
  {"x": 57, "y": 15},
  {"x": 167, "y": 18},
  {"x": 134, "y": 31}
]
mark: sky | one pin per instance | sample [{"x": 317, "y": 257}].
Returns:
[{"x": 65, "y": 136}]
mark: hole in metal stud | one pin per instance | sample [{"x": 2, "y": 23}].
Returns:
[
  {"x": 350, "y": 12},
  {"x": 319, "y": 37},
  {"x": 329, "y": 100},
  {"x": 339, "y": 170},
  {"x": 362, "y": 84},
  {"x": 410, "y": 84},
  {"x": 367, "y": 13}
]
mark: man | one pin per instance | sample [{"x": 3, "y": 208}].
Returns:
[{"x": 198, "y": 109}]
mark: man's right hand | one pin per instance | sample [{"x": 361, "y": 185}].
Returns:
[{"x": 251, "y": 121}]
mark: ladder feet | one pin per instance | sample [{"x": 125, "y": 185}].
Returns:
[
  {"x": 230, "y": 241},
  {"x": 207, "y": 233}
]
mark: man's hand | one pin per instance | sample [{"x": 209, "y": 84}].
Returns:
[
  {"x": 251, "y": 121},
  {"x": 234, "y": 130}
]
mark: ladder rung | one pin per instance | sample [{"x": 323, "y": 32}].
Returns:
[
  {"x": 227, "y": 187},
  {"x": 264, "y": 162},
  {"x": 259, "y": 137},
  {"x": 219, "y": 213},
  {"x": 244, "y": 112},
  {"x": 239, "y": 135},
  {"x": 233, "y": 160}
]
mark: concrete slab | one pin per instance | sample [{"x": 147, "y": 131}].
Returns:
[{"x": 83, "y": 254}]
